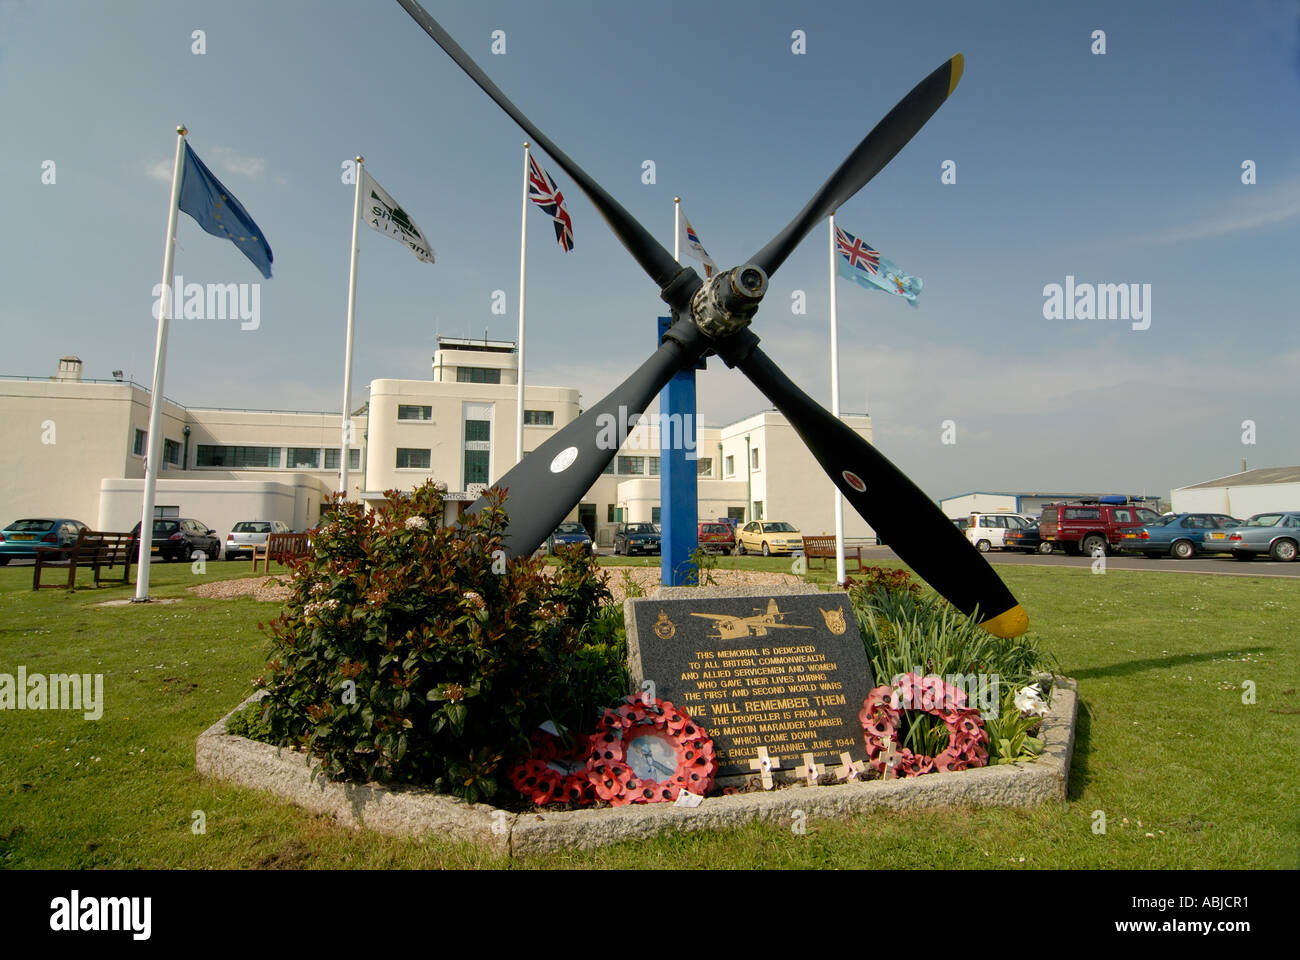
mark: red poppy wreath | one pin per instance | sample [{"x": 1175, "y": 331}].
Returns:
[
  {"x": 648, "y": 753},
  {"x": 882, "y": 714}
]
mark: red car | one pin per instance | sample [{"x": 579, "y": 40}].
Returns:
[{"x": 715, "y": 537}]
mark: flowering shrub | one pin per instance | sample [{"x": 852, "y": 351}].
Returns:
[{"x": 415, "y": 653}]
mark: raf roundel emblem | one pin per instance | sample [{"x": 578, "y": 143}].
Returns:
[
  {"x": 564, "y": 459},
  {"x": 853, "y": 480}
]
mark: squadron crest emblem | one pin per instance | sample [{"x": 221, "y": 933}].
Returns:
[
  {"x": 665, "y": 629},
  {"x": 834, "y": 621}
]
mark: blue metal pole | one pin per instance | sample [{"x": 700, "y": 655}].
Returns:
[{"x": 678, "y": 479}]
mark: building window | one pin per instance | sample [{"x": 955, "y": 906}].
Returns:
[
  {"x": 168, "y": 512},
  {"x": 171, "y": 451},
  {"x": 609, "y": 514},
  {"x": 609, "y": 469},
  {"x": 736, "y": 513},
  {"x": 332, "y": 458},
  {"x": 236, "y": 458},
  {"x": 412, "y": 412},
  {"x": 141, "y": 448},
  {"x": 758, "y": 509},
  {"x": 631, "y": 466},
  {"x": 730, "y": 465},
  {"x": 539, "y": 418},
  {"x": 704, "y": 467},
  {"x": 476, "y": 466},
  {"x": 653, "y": 463},
  {"x": 478, "y": 431},
  {"x": 304, "y": 458},
  {"x": 478, "y": 375},
  {"x": 654, "y": 514},
  {"x": 408, "y": 458},
  {"x": 753, "y": 459}
]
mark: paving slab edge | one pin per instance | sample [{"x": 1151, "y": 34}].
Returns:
[{"x": 414, "y": 811}]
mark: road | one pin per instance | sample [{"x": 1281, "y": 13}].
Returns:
[{"x": 1226, "y": 566}]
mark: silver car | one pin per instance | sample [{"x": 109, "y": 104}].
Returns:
[
  {"x": 1277, "y": 534},
  {"x": 246, "y": 533}
]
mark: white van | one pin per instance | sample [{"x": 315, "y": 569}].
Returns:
[{"x": 986, "y": 530}]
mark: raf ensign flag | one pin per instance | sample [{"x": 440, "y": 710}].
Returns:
[{"x": 867, "y": 268}]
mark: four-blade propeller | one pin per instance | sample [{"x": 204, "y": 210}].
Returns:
[{"x": 714, "y": 316}]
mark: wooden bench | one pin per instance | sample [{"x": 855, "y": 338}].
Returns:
[
  {"x": 286, "y": 548},
  {"x": 823, "y": 548},
  {"x": 95, "y": 549}
]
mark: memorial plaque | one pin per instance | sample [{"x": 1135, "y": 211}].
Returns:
[{"x": 785, "y": 671}]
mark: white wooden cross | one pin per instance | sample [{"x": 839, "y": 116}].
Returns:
[
  {"x": 850, "y": 770},
  {"x": 765, "y": 765},
  {"x": 811, "y": 770},
  {"x": 891, "y": 757}
]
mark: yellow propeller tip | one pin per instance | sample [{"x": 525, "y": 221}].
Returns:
[
  {"x": 955, "y": 67},
  {"x": 1009, "y": 623}
]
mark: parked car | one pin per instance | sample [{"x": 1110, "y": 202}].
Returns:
[
  {"x": 176, "y": 538},
  {"x": 768, "y": 537},
  {"x": 633, "y": 538},
  {"x": 19, "y": 540},
  {"x": 1276, "y": 534},
  {"x": 1026, "y": 539},
  {"x": 569, "y": 534},
  {"x": 716, "y": 537},
  {"x": 1179, "y": 535},
  {"x": 1088, "y": 526},
  {"x": 988, "y": 530},
  {"x": 247, "y": 534}
]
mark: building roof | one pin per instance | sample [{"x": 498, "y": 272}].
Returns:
[{"x": 1252, "y": 478}]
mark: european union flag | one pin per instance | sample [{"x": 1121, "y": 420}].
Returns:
[{"x": 207, "y": 200}]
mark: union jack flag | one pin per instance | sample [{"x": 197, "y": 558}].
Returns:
[
  {"x": 543, "y": 192},
  {"x": 858, "y": 254}
]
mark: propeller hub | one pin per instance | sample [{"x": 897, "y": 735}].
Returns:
[{"x": 726, "y": 304}]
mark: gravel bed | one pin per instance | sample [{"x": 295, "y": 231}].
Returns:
[{"x": 275, "y": 589}]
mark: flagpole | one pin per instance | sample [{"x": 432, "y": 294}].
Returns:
[
  {"x": 523, "y": 276},
  {"x": 345, "y": 443},
  {"x": 677, "y": 229},
  {"x": 154, "y": 455},
  {"x": 835, "y": 408}
]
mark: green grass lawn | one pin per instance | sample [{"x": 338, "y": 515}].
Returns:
[{"x": 1184, "y": 772}]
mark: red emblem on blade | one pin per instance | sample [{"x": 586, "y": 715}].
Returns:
[{"x": 854, "y": 481}]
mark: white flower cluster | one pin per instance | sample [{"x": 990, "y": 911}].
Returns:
[
  {"x": 417, "y": 523},
  {"x": 318, "y": 588},
  {"x": 315, "y": 609},
  {"x": 1030, "y": 700}
]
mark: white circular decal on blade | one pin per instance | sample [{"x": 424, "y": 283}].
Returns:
[
  {"x": 854, "y": 481},
  {"x": 564, "y": 459}
]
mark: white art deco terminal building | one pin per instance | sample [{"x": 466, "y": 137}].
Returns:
[{"x": 74, "y": 447}]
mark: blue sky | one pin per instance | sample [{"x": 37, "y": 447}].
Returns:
[{"x": 1115, "y": 168}]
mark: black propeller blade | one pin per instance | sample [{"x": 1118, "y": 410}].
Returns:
[
  {"x": 546, "y": 486},
  {"x": 548, "y": 483},
  {"x": 876, "y": 149},
  {"x": 654, "y": 259},
  {"x": 896, "y": 508}
]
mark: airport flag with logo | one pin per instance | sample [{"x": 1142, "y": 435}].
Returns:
[
  {"x": 690, "y": 242},
  {"x": 867, "y": 268},
  {"x": 212, "y": 206},
  {"x": 384, "y": 214},
  {"x": 543, "y": 192}
]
